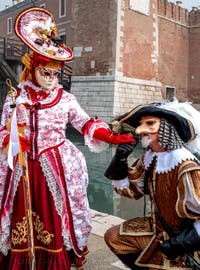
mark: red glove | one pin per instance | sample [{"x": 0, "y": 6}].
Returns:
[
  {"x": 24, "y": 142},
  {"x": 106, "y": 135}
]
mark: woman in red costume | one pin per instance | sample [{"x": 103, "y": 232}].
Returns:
[{"x": 44, "y": 212}]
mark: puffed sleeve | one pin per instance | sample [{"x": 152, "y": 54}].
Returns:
[
  {"x": 86, "y": 126},
  {"x": 188, "y": 203}
]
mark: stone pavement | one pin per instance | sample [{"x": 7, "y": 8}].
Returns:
[{"x": 100, "y": 257}]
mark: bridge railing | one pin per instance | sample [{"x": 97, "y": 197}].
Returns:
[{"x": 12, "y": 49}]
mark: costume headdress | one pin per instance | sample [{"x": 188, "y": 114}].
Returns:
[
  {"x": 183, "y": 116},
  {"x": 37, "y": 29}
]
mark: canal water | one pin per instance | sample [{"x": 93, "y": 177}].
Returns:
[{"x": 101, "y": 195}]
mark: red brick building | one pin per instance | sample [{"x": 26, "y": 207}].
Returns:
[{"x": 127, "y": 52}]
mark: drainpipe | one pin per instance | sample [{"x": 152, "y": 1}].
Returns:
[{"x": 4, "y": 48}]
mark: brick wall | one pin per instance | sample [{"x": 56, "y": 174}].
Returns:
[
  {"x": 95, "y": 95},
  {"x": 194, "y": 57},
  {"x": 94, "y": 34},
  {"x": 137, "y": 43},
  {"x": 109, "y": 96},
  {"x": 172, "y": 12},
  {"x": 131, "y": 92},
  {"x": 173, "y": 47}
]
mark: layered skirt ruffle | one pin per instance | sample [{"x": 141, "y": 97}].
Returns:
[{"x": 49, "y": 250}]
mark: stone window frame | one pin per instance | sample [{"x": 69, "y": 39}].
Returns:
[
  {"x": 170, "y": 92},
  {"x": 62, "y": 8},
  {"x": 9, "y": 25}
]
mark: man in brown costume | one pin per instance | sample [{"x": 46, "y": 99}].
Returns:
[{"x": 170, "y": 174}]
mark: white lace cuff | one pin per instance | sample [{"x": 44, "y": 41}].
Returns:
[
  {"x": 121, "y": 184},
  {"x": 95, "y": 145}
]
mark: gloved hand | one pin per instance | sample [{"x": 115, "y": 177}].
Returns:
[
  {"x": 106, "y": 135},
  {"x": 118, "y": 168},
  {"x": 187, "y": 241},
  {"x": 24, "y": 143}
]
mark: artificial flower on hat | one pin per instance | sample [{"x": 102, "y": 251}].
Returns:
[{"x": 37, "y": 29}]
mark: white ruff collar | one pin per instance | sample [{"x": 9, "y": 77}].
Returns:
[
  {"x": 34, "y": 87},
  {"x": 167, "y": 161},
  {"x": 23, "y": 98}
]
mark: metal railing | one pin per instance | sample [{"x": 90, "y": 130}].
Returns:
[{"x": 12, "y": 49}]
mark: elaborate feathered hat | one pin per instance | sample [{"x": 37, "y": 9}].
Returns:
[
  {"x": 183, "y": 116},
  {"x": 37, "y": 29}
]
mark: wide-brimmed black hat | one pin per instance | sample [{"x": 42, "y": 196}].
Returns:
[{"x": 183, "y": 126}]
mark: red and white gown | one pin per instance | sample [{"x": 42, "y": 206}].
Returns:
[{"x": 58, "y": 181}]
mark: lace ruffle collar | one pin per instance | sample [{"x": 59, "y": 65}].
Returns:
[
  {"x": 167, "y": 161},
  {"x": 23, "y": 98}
]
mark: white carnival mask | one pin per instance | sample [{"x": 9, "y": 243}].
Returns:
[{"x": 46, "y": 77}]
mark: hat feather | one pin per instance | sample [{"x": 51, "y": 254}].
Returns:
[{"x": 186, "y": 110}]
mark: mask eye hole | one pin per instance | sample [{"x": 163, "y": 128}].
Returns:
[
  {"x": 150, "y": 123},
  {"x": 47, "y": 74}
]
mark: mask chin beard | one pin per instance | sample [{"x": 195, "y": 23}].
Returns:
[{"x": 146, "y": 140}]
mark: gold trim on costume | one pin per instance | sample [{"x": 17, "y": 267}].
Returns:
[
  {"x": 43, "y": 235},
  {"x": 19, "y": 235},
  {"x": 132, "y": 112},
  {"x": 38, "y": 247}
]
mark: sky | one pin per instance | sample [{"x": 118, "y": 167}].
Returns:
[
  {"x": 188, "y": 4},
  {"x": 3, "y": 3}
]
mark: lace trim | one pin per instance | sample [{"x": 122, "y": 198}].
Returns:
[
  {"x": 167, "y": 161},
  {"x": 121, "y": 184},
  {"x": 95, "y": 145},
  {"x": 57, "y": 197},
  {"x": 5, "y": 241},
  {"x": 23, "y": 98},
  {"x": 4, "y": 132},
  {"x": 51, "y": 182},
  {"x": 3, "y": 172}
]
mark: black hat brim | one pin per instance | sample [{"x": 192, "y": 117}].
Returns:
[{"x": 183, "y": 126}]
